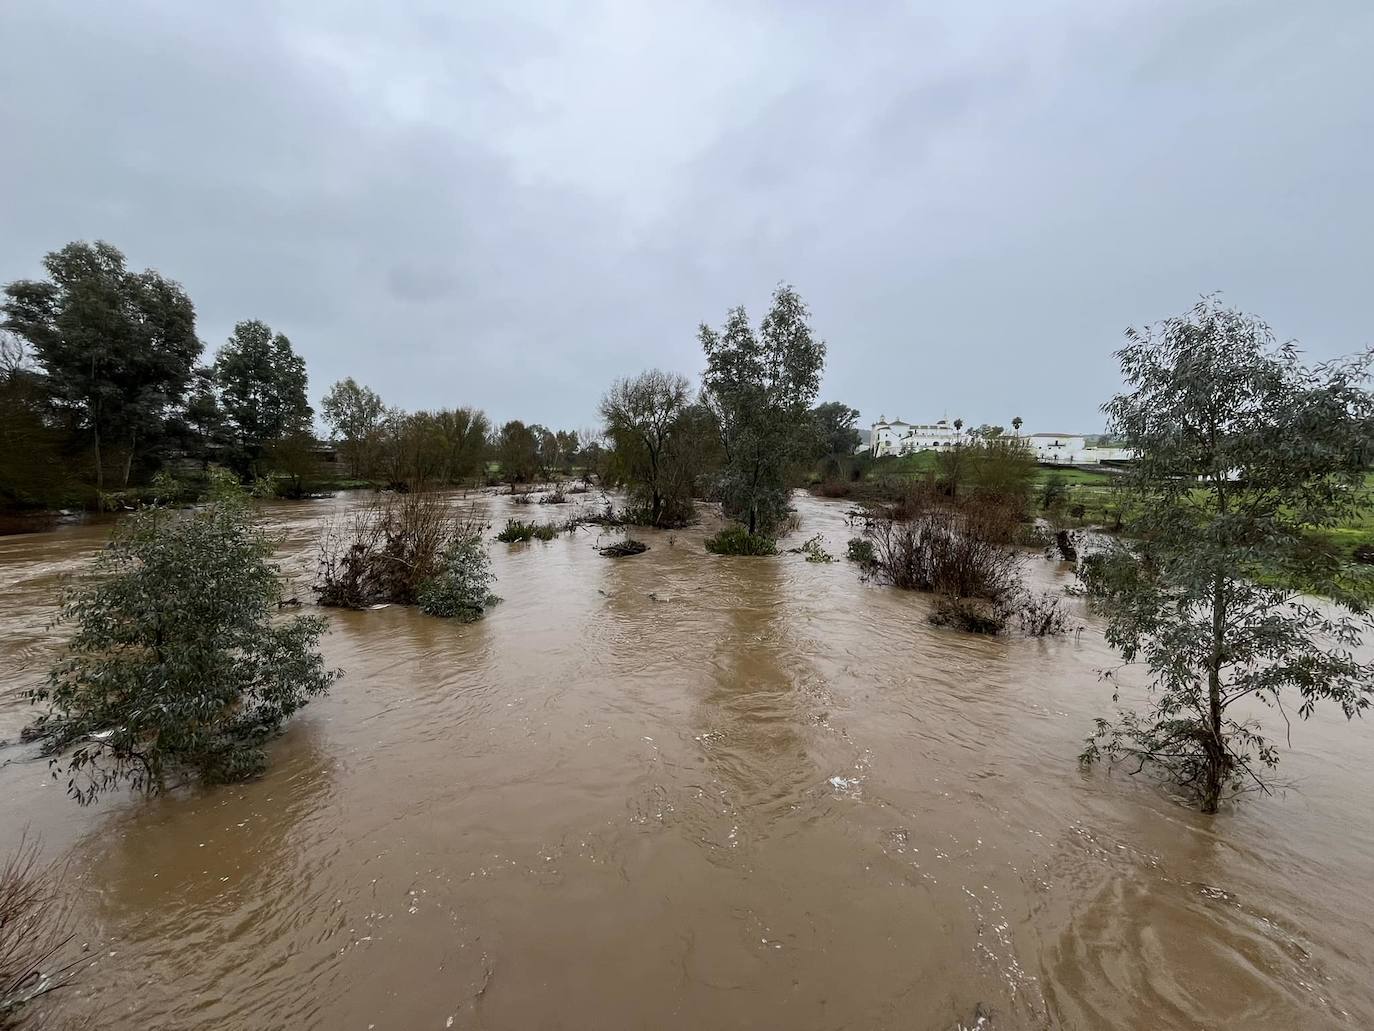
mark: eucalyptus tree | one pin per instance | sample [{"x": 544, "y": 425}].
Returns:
[
  {"x": 118, "y": 346},
  {"x": 262, "y": 385},
  {"x": 177, "y": 664},
  {"x": 1242, "y": 452},
  {"x": 760, "y": 387}
]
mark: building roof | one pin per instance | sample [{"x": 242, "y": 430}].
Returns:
[{"x": 1054, "y": 434}]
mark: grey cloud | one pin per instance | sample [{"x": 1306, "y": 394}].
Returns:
[{"x": 510, "y": 209}]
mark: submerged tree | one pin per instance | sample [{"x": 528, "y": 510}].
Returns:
[
  {"x": 177, "y": 664},
  {"x": 1243, "y": 451},
  {"x": 651, "y": 424},
  {"x": 760, "y": 388}
]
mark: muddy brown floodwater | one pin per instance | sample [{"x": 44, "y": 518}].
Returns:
[{"x": 684, "y": 791}]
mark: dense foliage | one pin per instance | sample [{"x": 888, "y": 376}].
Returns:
[
  {"x": 461, "y": 587},
  {"x": 355, "y": 416},
  {"x": 116, "y": 348},
  {"x": 760, "y": 387},
  {"x": 659, "y": 445},
  {"x": 1243, "y": 450},
  {"x": 262, "y": 386},
  {"x": 517, "y": 531},
  {"x": 176, "y": 663},
  {"x": 737, "y": 540}
]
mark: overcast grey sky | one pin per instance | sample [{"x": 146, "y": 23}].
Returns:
[{"x": 507, "y": 205}]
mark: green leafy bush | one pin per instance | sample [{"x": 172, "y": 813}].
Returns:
[
  {"x": 861, "y": 551},
  {"x": 814, "y": 550},
  {"x": 461, "y": 588},
  {"x": 517, "y": 530},
  {"x": 176, "y": 664},
  {"x": 736, "y": 540}
]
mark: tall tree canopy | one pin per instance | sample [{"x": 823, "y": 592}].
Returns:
[
  {"x": 262, "y": 385},
  {"x": 760, "y": 388},
  {"x": 834, "y": 429},
  {"x": 464, "y": 434},
  {"x": 650, "y": 422},
  {"x": 517, "y": 449},
  {"x": 1242, "y": 452},
  {"x": 118, "y": 347},
  {"x": 354, "y": 415}
]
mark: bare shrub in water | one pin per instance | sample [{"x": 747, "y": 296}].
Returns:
[
  {"x": 941, "y": 550},
  {"x": 1037, "y": 615},
  {"x": 971, "y": 615},
  {"x": 34, "y": 932},
  {"x": 387, "y": 550},
  {"x": 1040, "y": 615}
]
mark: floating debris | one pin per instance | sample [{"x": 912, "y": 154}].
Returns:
[{"x": 625, "y": 548}]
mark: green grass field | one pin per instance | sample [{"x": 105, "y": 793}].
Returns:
[{"x": 1090, "y": 499}]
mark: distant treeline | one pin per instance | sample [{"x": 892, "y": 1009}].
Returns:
[
  {"x": 104, "y": 384},
  {"x": 105, "y": 388}
]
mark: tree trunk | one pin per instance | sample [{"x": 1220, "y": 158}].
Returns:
[
  {"x": 99, "y": 465},
  {"x": 1214, "y": 745},
  {"x": 129, "y": 461},
  {"x": 753, "y": 519},
  {"x": 656, "y": 508}
]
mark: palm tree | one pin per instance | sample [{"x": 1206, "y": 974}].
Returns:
[
  {"x": 958, "y": 425},
  {"x": 1016, "y": 425}
]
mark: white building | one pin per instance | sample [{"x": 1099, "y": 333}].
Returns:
[
  {"x": 1059, "y": 448},
  {"x": 895, "y": 437}
]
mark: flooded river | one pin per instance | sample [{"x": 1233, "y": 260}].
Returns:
[{"x": 684, "y": 791}]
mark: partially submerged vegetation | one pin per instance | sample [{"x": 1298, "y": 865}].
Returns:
[
  {"x": 386, "y": 550},
  {"x": 737, "y": 540},
  {"x": 1243, "y": 452},
  {"x": 957, "y": 540},
  {"x": 461, "y": 588},
  {"x": 814, "y": 550},
  {"x": 517, "y": 531},
  {"x": 759, "y": 387},
  {"x": 408, "y": 549},
  {"x": 34, "y": 933},
  {"x": 624, "y": 549},
  {"x": 1251, "y": 487},
  {"x": 177, "y": 666}
]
